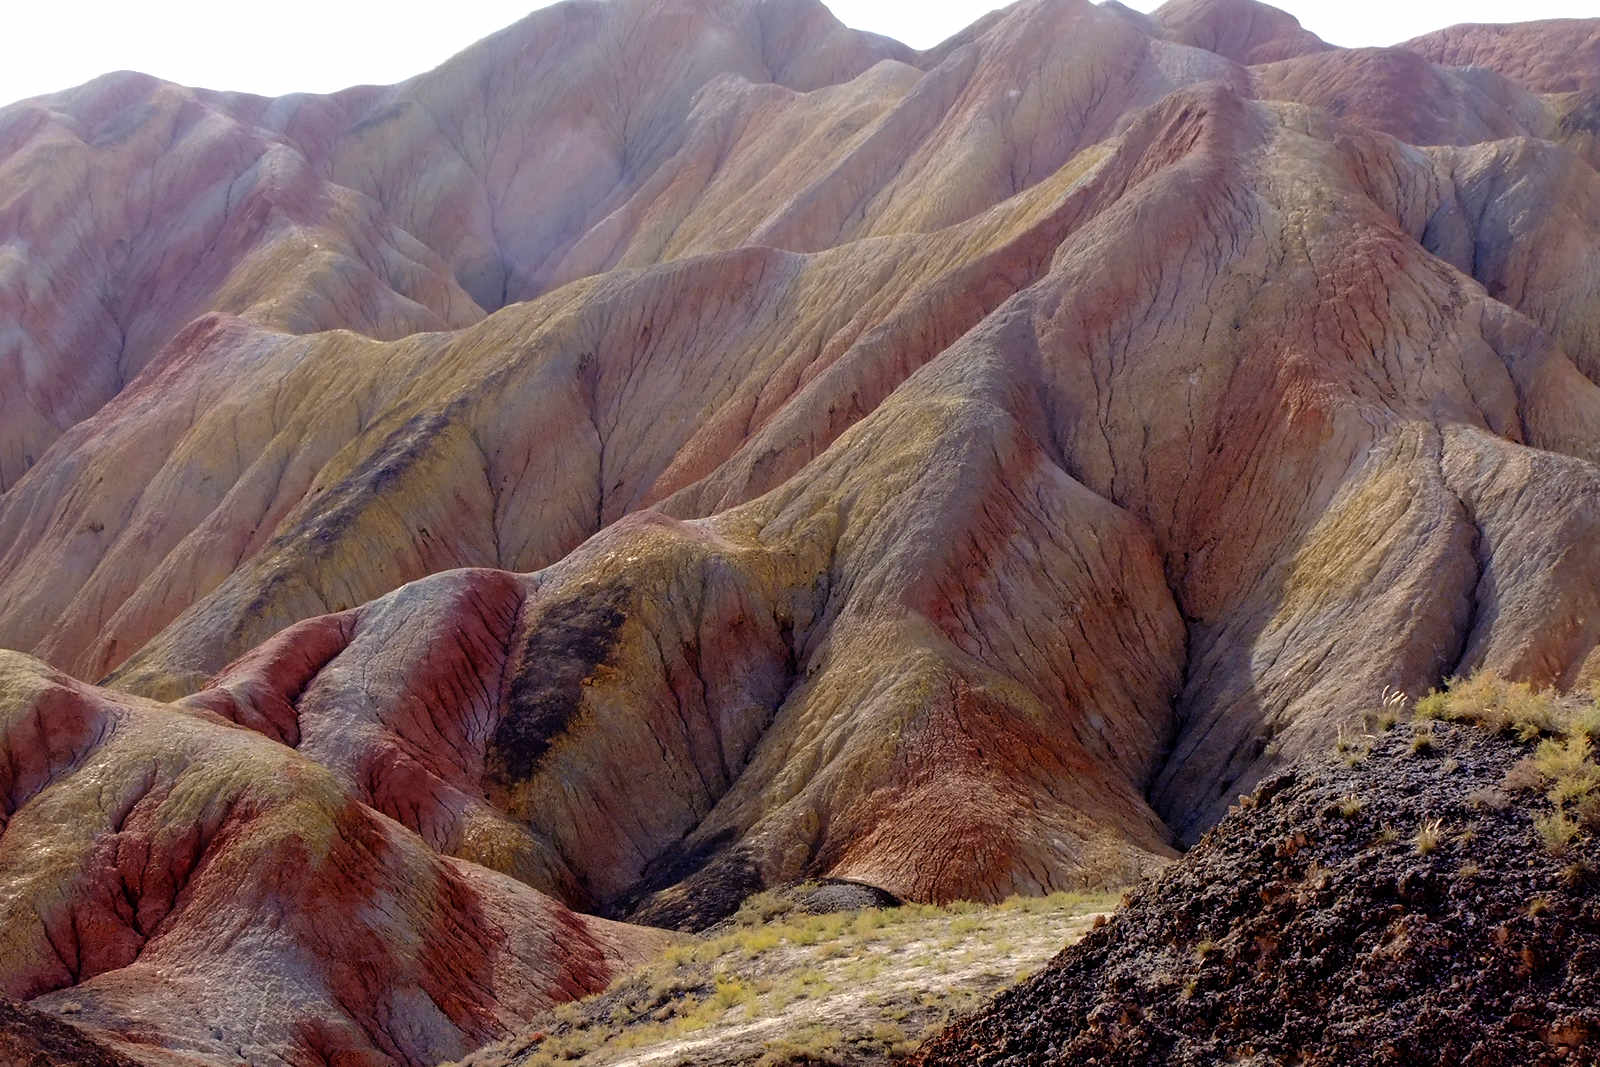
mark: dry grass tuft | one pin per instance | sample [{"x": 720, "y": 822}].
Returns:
[
  {"x": 1576, "y": 874},
  {"x": 1563, "y": 766},
  {"x": 1352, "y": 748}
]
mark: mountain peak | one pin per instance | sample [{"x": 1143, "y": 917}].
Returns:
[{"x": 1246, "y": 31}]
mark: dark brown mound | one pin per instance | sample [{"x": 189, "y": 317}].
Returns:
[
  {"x": 1300, "y": 930},
  {"x": 30, "y": 1038}
]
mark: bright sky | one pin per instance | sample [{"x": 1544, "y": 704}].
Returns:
[{"x": 321, "y": 45}]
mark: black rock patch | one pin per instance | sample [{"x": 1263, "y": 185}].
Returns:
[{"x": 570, "y": 639}]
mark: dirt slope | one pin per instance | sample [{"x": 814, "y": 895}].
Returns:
[
  {"x": 1401, "y": 910},
  {"x": 779, "y": 987}
]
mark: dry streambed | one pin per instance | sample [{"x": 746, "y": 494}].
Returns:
[{"x": 779, "y": 986}]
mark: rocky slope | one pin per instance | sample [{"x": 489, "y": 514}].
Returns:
[
  {"x": 32, "y": 1038},
  {"x": 1401, "y": 910},
  {"x": 678, "y": 447}
]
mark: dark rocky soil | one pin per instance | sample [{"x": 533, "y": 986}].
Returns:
[
  {"x": 31, "y": 1038},
  {"x": 1309, "y": 927}
]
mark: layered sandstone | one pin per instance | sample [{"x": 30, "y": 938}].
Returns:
[
  {"x": 680, "y": 447},
  {"x": 190, "y": 891}
]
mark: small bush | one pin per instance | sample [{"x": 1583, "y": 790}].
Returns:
[
  {"x": 888, "y": 1034},
  {"x": 1588, "y": 811},
  {"x": 1585, "y": 722},
  {"x": 1489, "y": 701},
  {"x": 1433, "y": 706},
  {"x": 1571, "y": 787},
  {"x": 669, "y": 986},
  {"x": 759, "y": 939},
  {"x": 760, "y": 908},
  {"x": 1488, "y": 798},
  {"x": 1557, "y": 830},
  {"x": 962, "y": 925},
  {"x": 1428, "y": 836},
  {"x": 731, "y": 993},
  {"x": 1524, "y": 774},
  {"x": 1557, "y": 759},
  {"x": 812, "y": 1045},
  {"x": 1351, "y": 748}
]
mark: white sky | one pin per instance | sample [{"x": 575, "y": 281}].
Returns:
[{"x": 321, "y": 45}]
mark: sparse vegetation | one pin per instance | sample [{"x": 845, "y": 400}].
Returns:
[
  {"x": 1563, "y": 766},
  {"x": 836, "y": 984},
  {"x": 1557, "y": 830},
  {"x": 1488, "y": 799},
  {"x": 850, "y": 987},
  {"x": 1585, "y": 721},
  {"x": 1351, "y": 748},
  {"x": 1487, "y": 700},
  {"x": 1430, "y": 707},
  {"x": 811, "y": 1044}
]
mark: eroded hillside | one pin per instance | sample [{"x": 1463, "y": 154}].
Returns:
[{"x": 681, "y": 447}]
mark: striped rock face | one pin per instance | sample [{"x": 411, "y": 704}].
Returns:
[{"x": 683, "y": 446}]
